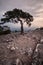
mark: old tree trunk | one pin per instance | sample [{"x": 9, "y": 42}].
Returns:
[{"x": 22, "y": 30}]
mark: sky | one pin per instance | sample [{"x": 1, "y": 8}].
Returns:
[{"x": 34, "y": 7}]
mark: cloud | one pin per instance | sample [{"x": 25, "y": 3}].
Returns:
[
  {"x": 38, "y": 22},
  {"x": 34, "y": 7},
  {"x": 19, "y": 3}
]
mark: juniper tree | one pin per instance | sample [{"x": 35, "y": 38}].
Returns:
[{"x": 19, "y": 15}]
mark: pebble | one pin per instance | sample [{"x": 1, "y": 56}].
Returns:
[
  {"x": 41, "y": 40},
  {"x": 16, "y": 47},
  {"x": 13, "y": 48}
]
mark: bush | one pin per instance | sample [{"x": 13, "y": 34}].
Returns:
[{"x": 4, "y": 30}]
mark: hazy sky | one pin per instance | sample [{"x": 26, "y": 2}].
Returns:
[{"x": 34, "y": 7}]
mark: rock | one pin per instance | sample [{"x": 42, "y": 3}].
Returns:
[
  {"x": 7, "y": 40},
  {"x": 38, "y": 55},
  {"x": 16, "y": 47},
  {"x": 30, "y": 52},
  {"x": 13, "y": 48},
  {"x": 17, "y": 51},
  {"x": 18, "y": 62},
  {"x": 41, "y": 41},
  {"x": 9, "y": 46}
]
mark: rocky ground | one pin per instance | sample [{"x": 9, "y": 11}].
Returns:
[{"x": 26, "y": 49}]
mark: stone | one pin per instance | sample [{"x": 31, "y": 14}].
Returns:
[
  {"x": 13, "y": 48},
  {"x": 41, "y": 41}
]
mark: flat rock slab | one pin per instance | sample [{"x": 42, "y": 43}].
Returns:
[{"x": 40, "y": 49}]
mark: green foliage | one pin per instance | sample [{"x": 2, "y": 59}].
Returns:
[
  {"x": 17, "y": 13},
  {"x": 5, "y": 19}
]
